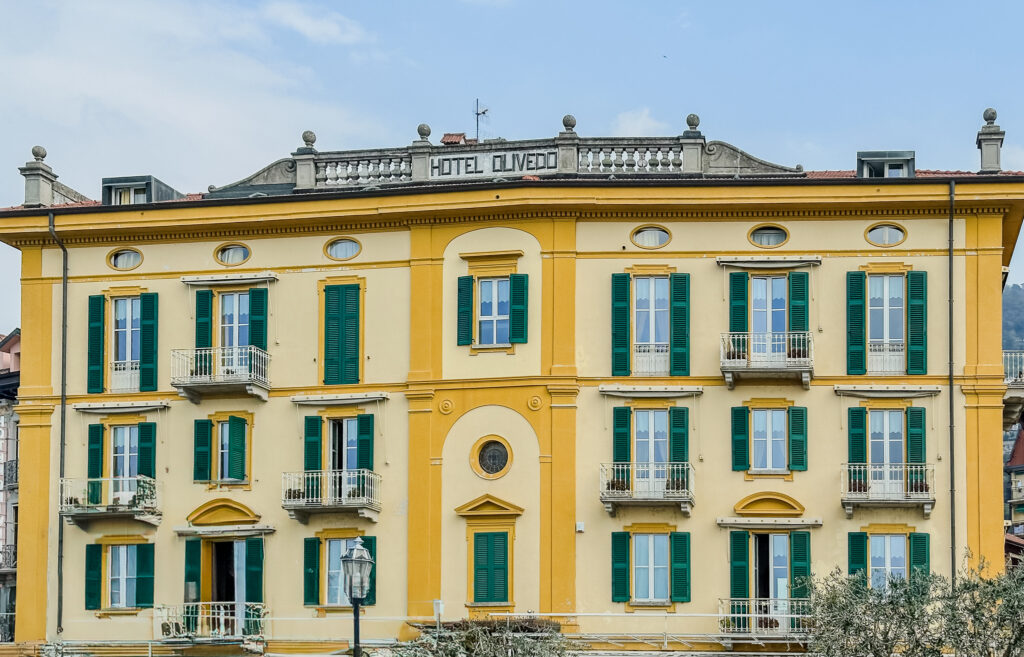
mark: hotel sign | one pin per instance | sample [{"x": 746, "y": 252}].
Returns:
[{"x": 493, "y": 164}]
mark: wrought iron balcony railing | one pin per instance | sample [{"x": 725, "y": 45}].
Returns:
[
  {"x": 11, "y": 473},
  {"x": 212, "y": 620},
  {"x": 8, "y": 557},
  {"x": 764, "y": 616},
  {"x": 124, "y": 376},
  {"x": 786, "y": 353},
  {"x": 217, "y": 370},
  {"x": 646, "y": 484},
  {"x": 650, "y": 360},
  {"x": 136, "y": 497},
  {"x": 319, "y": 491},
  {"x": 1013, "y": 367},
  {"x": 888, "y": 484}
]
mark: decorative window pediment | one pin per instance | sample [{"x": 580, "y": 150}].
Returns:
[
  {"x": 488, "y": 505},
  {"x": 223, "y": 511},
  {"x": 769, "y": 504}
]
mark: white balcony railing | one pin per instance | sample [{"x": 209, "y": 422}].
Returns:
[
  {"x": 213, "y": 620},
  {"x": 646, "y": 481},
  {"x": 111, "y": 494},
  {"x": 8, "y": 557},
  {"x": 1013, "y": 366},
  {"x": 246, "y": 365},
  {"x": 792, "y": 350},
  {"x": 124, "y": 376},
  {"x": 892, "y": 482},
  {"x": 764, "y": 615},
  {"x": 331, "y": 489},
  {"x": 650, "y": 359},
  {"x": 886, "y": 358}
]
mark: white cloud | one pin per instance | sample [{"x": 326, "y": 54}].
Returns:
[
  {"x": 638, "y": 123},
  {"x": 317, "y": 26}
]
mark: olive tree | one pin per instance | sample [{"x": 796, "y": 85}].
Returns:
[
  {"x": 984, "y": 616},
  {"x": 512, "y": 638}
]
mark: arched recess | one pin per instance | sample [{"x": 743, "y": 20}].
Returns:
[
  {"x": 222, "y": 511},
  {"x": 769, "y": 504}
]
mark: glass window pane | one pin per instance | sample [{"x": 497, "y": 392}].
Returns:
[
  {"x": 660, "y": 549},
  {"x": 759, "y": 292},
  {"x": 642, "y": 549},
  {"x": 486, "y": 298},
  {"x": 876, "y": 291},
  {"x": 487, "y": 332},
  {"x": 642, "y": 298},
  {"x": 501, "y": 332},
  {"x": 661, "y": 327},
  {"x": 643, "y": 327},
  {"x": 896, "y": 324},
  {"x": 503, "y": 302},
  {"x": 343, "y": 249},
  {"x": 661, "y": 293}
]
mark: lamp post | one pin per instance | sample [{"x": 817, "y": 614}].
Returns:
[{"x": 357, "y": 564}]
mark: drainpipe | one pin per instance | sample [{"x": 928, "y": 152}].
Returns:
[
  {"x": 952, "y": 421},
  {"x": 63, "y": 412}
]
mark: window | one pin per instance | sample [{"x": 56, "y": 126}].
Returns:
[
  {"x": 124, "y": 374},
  {"x": 888, "y": 558},
  {"x": 343, "y": 249},
  {"x": 336, "y": 590},
  {"x": 770, "y": 430},
  {"x": 234, "y": 332},
  {"x": 885, "y": 324},
  {"x": 220, "y": 449},
  {"x": 125, "y": 259},
  {"x": 886, "y": 452},
  {"x": 650, "y": 435},
  {"x": 650, "y": 568},
  {"x": 493, "y": 314},
  {"x": 768, "y": 318},
  {"x": 122, "y": 568},
  {"x": 493, "y": 457},
  {"x": 651, "y": 237},
  {"x": 341, "y": 334},
  {"x": 768, "y": 236},
  {"x": 124, "y": 466},
  {"x": 490, "y": 567},
  {"x": 651, "y": 325},
  {"x": 771, "y": 566},
  {"x": 232, "y": 254},
  {"x": 127, "y": 195},
  {"x": 885, "y": 235}
]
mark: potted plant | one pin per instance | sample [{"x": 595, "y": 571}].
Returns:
[{"x": 617, "y": 484}]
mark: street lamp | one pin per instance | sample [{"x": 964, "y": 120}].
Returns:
[{"x": 357, "y": 564}]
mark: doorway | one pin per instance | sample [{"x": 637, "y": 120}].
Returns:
[{"x": 227, "y": 595}]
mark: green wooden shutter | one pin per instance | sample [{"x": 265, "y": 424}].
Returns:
[
  {"x": 856, "y": 358},
  {"x": 799, "y": 563},
  {"x": 620, "y": 566},
  {"x": 93, "y": 576},
  {"x": 857, "y": 448},
  {"x": 258, "y": 300},
  {"x": 313, "y": 444},
  {"x": 798, "y": 296},
  {"x": 739, "y": 564},
  {"x": 147, "y": 449},
  {"x": 857, "y": 554},
  {"x": 204, "y": 319},
  {"x": 680, "y": 549},
  {"x": 519, "y": 306},
  {"x": 370, "y": 543},
  {"x": 680, "y": 330},
  {"x": 464, "y": 303},
  {"x": 193, "y": 569},
  {"x": 254, "y": 569},
  {"x": 916, "y": 441},
  {"x": 143, "y": 574},
  {"x": 95, "y": 465},
  {"x": 203, "y": 433},
  {"x": 350, "y": 334},
  {"x": 621, "y": 338},
  {"x": 311, "y": 571},
  {"x": 364, "y": 441},
  {"x": 920, "y": 554},
  {"x": 621, "y": 420},
  {"x": 738, "y": 312},
  {"x": 148, "y": 333},
  {"x": 917, "y": 322},
  {"x": 499, "y": 566},
  {"x": 236, "y": 450},
  {"x": 332, "y": 334},
  {"x": 797, "y": 438},
  {"x": 96, "y": 340},
  {"x": 679, "y": 434},
  {"x": 740, "y": 438},
  {"x": 481, "y": 567}
]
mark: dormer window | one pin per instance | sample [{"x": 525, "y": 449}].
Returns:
[
  {"x": 885, "y": 164},
  {"x": 127, "y": 195}
]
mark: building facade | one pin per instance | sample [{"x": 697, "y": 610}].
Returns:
[
  {"x": 640, "y": 386},
  {"x": 10, "y": 374}
]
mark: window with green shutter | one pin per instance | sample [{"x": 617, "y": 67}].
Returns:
[
  {"x": 679, "y": 434},
  {"x": 856, "y": 357},
  {"x": 917, "y": 445},
  {"x": 236, "y": 449},
  {"x": 202, "y": 448},
  {"x": 364, "y": 441},
  {"x": 144, "y": 571},
  {"x": 95, "y": 454},
  {"x": 620, "y": 566},
  {"x": 740, "y": 438},
  {"x": 341, "y": 334},
  {"x": 857, "y": 448},
  {"x": 370, "y": 543},
  {"x": 258, "y": 311},
  {"x": 739, "y": 564},
  {"x": 798, "y": 301},
  {"x": 920, "y": 554},
  {"x": 148, "y": 342},
  {"x": 253, "y": 584},
  {"x": 311, "y": 571},
  {"x": 738, "y": 309},
  {"x": 490, "y": 567},
  {"x": 519, "y": 305},
  {"x": 917, "y": 322},
  {"x": 93, "y": 576},
  {"x": 621, "y": 337},
  {"x": 797, "y": 438},
  {"x": 464, "y": 303},
  {"x": 679, "y": 350},
  {"x": 799, "y": 563},
  {"x": 857, "y": 554},
  {"x": 204, "y": 319},
  {"x": 679, "y": 544},
  {"x": 96, "y": 340},
  {"x": 193, "y": 569},
  {"x": 147, "y": 450},
  {"x": 622, "y": 439}
]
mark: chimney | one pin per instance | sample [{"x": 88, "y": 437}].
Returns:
[
  {"x": 39, "y": 180},
  {"x": 990, "y": 140}
]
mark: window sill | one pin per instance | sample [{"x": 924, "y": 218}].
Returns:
[
  {"x": 228, "y": 484},
  {"x": 323, "y": 610},
  {"x": 482, "y": 610},
  {"x": 760, "y": 473},
  {"x": 118, "y": 611},
  {"x": 475, "y": 349},
  {"x": 648, "y": 605}
]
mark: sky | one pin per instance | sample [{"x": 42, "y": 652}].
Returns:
[{"x": 206, "y": 92}]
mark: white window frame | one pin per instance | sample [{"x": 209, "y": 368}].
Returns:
[
  {"x": 887, "y": 570},
  {"x": 125, "y": 371},
  {"x": 118, "y": 554},
  {"x": 652, "y": 311},
  {"x": 891, "y": 352},
  {"x": 341, "y": 598},
  {"x": 133, "y": 193},
  {"x": 224, "y": 453},
  {"x": 771, "y": 416},
  {"x": 495, "y": 317},
  {"x": 125, "y": 483},
  {"x": 652, "y": 571}
]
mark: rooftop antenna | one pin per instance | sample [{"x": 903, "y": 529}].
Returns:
[{"x": 479, "y": 112}]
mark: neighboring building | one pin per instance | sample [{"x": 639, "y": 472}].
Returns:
[
  {"x": 642, "y": 386},
  {"x": 10, "y": 374}
]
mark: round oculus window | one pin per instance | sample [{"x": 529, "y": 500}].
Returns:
[
  {"x": 125, "y": 259},
  {"x": 493, "y": 457},
  {"x": 232, "y": 254},
  {"x": 343, "y": 249},
  {"x": 886, "y": 235},
  {"x": 768, "y": 236},
  {"x": 651, "y": 237}
]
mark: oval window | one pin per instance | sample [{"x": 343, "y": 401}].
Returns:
[
  {"x": 232, "y": 254},
  {"x": 651, "y": 237},
  {"x": 886, "y": 235},
  {"x": 769, "y": 236},
  {"x": 125, "y": 259},
  {"x": 343, "y": 249}
]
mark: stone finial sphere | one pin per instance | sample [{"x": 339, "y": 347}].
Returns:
[
  {"x": 309, "y": 138},
  {"x": 39, "y": 153},
  {"x": 693, "y": 121},
  {"x": 989, "y": 115},
  {"x": 569, "y": 122},
  {"x": 423, "y": 130}
]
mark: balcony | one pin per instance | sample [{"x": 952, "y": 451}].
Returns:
[
  {"x": 783, "y": 355},
  {"x": 888, "y": 485},
  {"x": 8, "y": 558},
  {"x": 1016, "y": 492},
  {"x": 137, "y": 498},
  {"x": 124, "y": 376},
  {"x": 769, "y": 617},
  {"x": 886, "y": 358},
  {"x": 11, "y": 474},
  {"x": 1013, "y": 376},
  {"x": 331, "y": 491},
  {"x": 231, "y": 621},
  {"x": 646, "y": 484},
  {"x": 220, "y": 370},
  {"x": 650, "y": 360}
]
